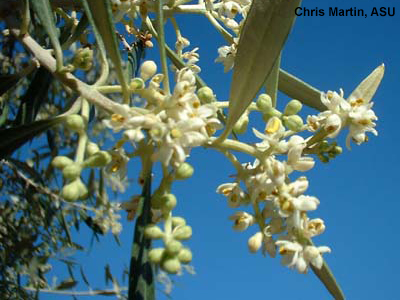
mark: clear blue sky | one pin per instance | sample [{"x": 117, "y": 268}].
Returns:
[{"x": 358, "y": 190}]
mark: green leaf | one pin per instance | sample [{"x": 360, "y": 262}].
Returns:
[
  {"x": 100, "y": 16},
  {"x": 141, "y": 274},
  {"x": 298, "y": 89},
  {"x": 264, "y": 33},
  {"x": 367, "y": 88},
  {"x": 325, "y": 275},
  {"x": 42, "y": 8},
  {"x": 80, "y": 28},
  {"x": 271, "y": 84},
  {"x": 34, "y": 97},
  {"x": 8, "y": 82},
  {"x": 15, "y": 137},
  {"x": 84, "y": 277}
]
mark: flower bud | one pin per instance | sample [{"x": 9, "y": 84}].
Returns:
[
  {"x": 91, "y": 148},
  {"x": 264, "y": 103},
  {"x": 271, "y": 112},
  {"x": 169, "y": 201},
  {"x": 184, "y": 171},
  {"x": 337, "y": 150},
  {"x": 254, "y": 243},
  {"x": 71, "y": 191},
  {"x": 206, "y": 95},
  {"x": 293, "y": 122},
  {"x": 182, "y": 233},
  {"x": 153, "y": 232},
  {"x": 293, "y": 107},
  {"x": 99, "y": 159},
  {"x": 60, "y": 162},
  {"x": 75, "y": 123},
  {"x": 173, "y": 247},
  {"x": 148, "y": 69},
  {"x": 332, "y": 125},
  {"x": 185, "y": 256},
  {"x": 315, "y": 227},
  {"x": 241, "y": 125},
  {"x": 72, "y": 171},
  {"x": 156, "y": 254},
  {"x": 83, "y": 59},
  {"x": 136, "y": 84},
  {"x": 324, "y": 146},
  {"x": 178, "y": 221},
  {"x": 171, "y": 265}
]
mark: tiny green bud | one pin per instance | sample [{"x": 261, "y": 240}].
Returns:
[
  {"x": 173, "y": 247},
  {"x": 185, "y": 256},
  {"x": 178, "y": 221},
  {"x": 83, "y": 59},
  {"x": 264, "y": 103},
  {"x": 293, "y": 107},
  {"x": 156, "y": 254},
  {"x": 337, "y": 150},
  {"x": 324, "y": 146},
  {"x": 153, "y": 232},
  {"x": 169, "y": 201},
  {"x": 182, "y": 232},
  {"x": 241, "y": 125},
  {"x": 72, "y": 171},
  {"x": 136, "y": 84},
  {"x": 75, "y": 123},
  {"x": 293, "y": 122},
  {"x": 60, "y": 162},
  {"x": 323, "y": 158},
  {"x": 206, "y": 95},
  {"x": 171, "y": 265},
  {"x": 71, "y": 191},
  {"x": 184, "y": 171},
  {"x": 92, "y": 148},
  {"x": 83, "y": 190},
  {"x": 99, "y": 159}
]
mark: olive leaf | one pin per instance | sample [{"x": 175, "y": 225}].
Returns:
[{"x": 264, "y": 33}]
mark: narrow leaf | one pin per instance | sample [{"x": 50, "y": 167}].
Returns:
[
  {"x": 15, "y": 137},
  {"x": 84, "y": 277},
  {"x": 367, "y": 88},
  {"x": 43, "y": 10},
  {"x": 141, "y": 277},
  {"x": 298, "y": 89},
  {"x": 8, "y": 82},
  {"x": 264, "y": 33},
  {"x": 325, "y": 275},
  {"x": 101, "y": 18},
  {"x": 271, "y": 84}
]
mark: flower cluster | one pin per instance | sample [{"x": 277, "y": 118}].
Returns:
[{"x": 280, "y": 205}]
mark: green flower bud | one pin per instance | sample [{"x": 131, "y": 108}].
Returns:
[
  {"x": 294, "y": 123},
  {"x": 184, "y": 171},
  {"x": 293, "y": 107},
  {"x": 72, "y": 171},
  {"x": 324, "y": 146},
  {"x": 71, "y": 191},
  {"x": 153, "y": 232},
  {"x": 75, "y": 123},
  {"x": 264, "y": 103},
  {"x": 337, "y": 150},
  {"x": 178, "y": 221},
  {"x": 156, "y": 255},
  {"x": 99, "y": 159},
  {"x": 83, "y": 59},
  {"x": 60, "y": 162},
  {"x": 185, "y": 256},
  {"x": 83, "y": 190},
  {"x": 173, "y": 247},
  {"x": 241, "y": 125},
  {"x": 169, "y": 201},
  {"x": 323, "y": 158},
  {"x": 171, "y": 265},
  {"x": 136, "y": 84},
  {"x": 182, "y": 233},
  {"x": 92, "y": 148},
  {"x": 206, "y": 95}
]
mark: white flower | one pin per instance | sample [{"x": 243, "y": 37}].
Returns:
[
  {"x": 298, "y": 162},
  {"x": 273, "y": 133},
  {"x": 226, "y": 55},
  {"x": 313, "y": 255},
  {"x": 233, "y": 192},
  {"x": 229, "y": 9},
  {"x": 242, "y": 220},
  {"x": 292, "y": 255}
]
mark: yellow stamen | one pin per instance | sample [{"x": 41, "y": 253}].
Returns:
[
  {"x": 273, "y": 125},
  {"x": 176, "y": 133},
  {"x": 117, "y": 118}
]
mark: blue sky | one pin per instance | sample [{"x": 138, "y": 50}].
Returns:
[{"x": 358, "y": 190}]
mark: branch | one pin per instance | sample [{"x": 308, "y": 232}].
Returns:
[
  {"x": 46, "y": 60},
  {"x": 79, "y": 293}
]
